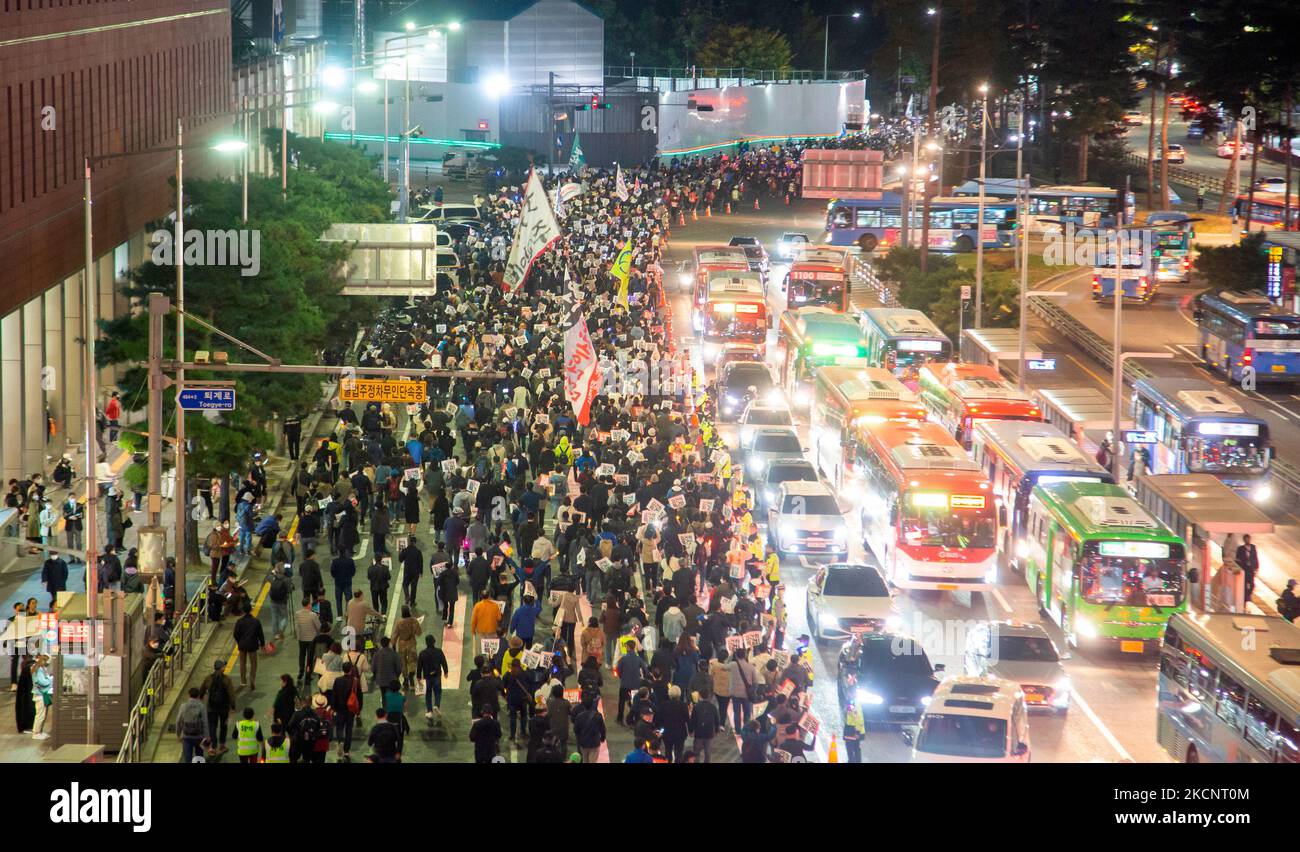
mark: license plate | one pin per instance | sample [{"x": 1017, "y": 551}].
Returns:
[
  {"x": 1131, "y": 647},
  {"x": 902, "y": 708},
  {"x": 1279, "y": 368},
  {"x": 1033, "y": 698},
  {"x": 861, "y": 628},
  {"x": 947, "y": 587}
]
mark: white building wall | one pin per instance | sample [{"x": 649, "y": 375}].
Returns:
[{"x": 559, "y": 36}]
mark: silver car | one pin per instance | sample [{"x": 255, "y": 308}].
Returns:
[
  {"x": 1022, "y": 653},
  {"x": 767, "y": 443},
  {"x": 758, "y": 414}
]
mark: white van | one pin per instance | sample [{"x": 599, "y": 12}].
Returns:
[
  {"x": 974, "y": 720},
  {"x": 437, "y": 214},
  {"x": 468, "y": 164}
]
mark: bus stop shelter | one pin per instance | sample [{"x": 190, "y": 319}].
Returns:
[
  {"x": 390, "y": 259},
  {"x": 993, "y": 346},
  {"x": 1198, "y": 507},
  {"x": 1083, "y": 413}
]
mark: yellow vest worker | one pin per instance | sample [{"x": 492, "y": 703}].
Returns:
[
  {"x": 277, "y": 753},
  {"x": 854, "y": 724},
  {"x": 773, "y": 568},
  {"x": 250, "y": 734}
]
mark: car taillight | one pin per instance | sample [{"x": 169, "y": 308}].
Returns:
[
  {"x": 1247, "y": 356},
  {"x": 1142, "y": 284},
  {"x": 1187, "y": 263},
  {"x": 1096, "y": 284}
]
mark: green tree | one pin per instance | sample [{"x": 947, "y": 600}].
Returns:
[
  {"x": 743, "y": 46},
  {"x": 1237, "y": 267}
]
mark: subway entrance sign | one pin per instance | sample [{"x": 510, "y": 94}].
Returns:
[
  {"x": 206, "y": 399},
  {"x": 382, "y": 390}
]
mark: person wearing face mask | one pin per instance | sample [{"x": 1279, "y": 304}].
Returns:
[{"x": 220, "y": 544}]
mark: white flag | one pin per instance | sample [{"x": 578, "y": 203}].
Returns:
[
  {"x": 537, "y": 231},
  {"x": 619, "y": 186}
]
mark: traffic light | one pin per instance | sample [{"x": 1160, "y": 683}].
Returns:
[{"x": 594, "y": 103}]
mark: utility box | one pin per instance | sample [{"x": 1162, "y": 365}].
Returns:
[{"x": 120, "y": 671}]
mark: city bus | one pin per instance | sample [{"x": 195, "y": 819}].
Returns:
[
  {"x": 903, "y": 340},
  {"x": 818, "y": 277},
  {"x": 843, "y": 396},
  {"x": 1017, "y": 456},
  {"x": 1101, "y": 566},
  {"x": 1267, "y": 210},
  {"x": 1198, "y": 428},
  {"x": 1239, "y": 330},
  {"x": 871, "y": 223},
  {"x": 734, "y": 311},
  {"x": 1082, "y": 206},
  {"x": 811, "y": 338},
  {"x": 1171, "y": 241},
  {"x": 708, "y": 260},
  {"x": 961, "y": 395},
  {"x": 926, "y": 509},
  {"x": 1138, "y": 272},
  {"x": 1229, "y": 689}
]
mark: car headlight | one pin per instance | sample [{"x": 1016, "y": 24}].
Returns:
[
  {"x": 865, "y": 696},
  {"x": 925, "y": 701},
  {"x": 786, "y": 531},
  {"x": 840, "y": 535},
  {"x": 1085, "y": 628},
  {"x": 1263, "y": 493},
  {"x": 828, "y": 622},
  {"x": 745, "y": 434},
  {"x": 1061, "y": 691},
  {"x": 1022, "y": 550},
  {"x": 770, "y": 495},
  {"x": 802, "y": 396},
  {"x": 775, "y": 397},
  {"x": 730, "y": 399},
  {"x": 893, "y": 622},
  {"x": 684, "y": 279},
  {"x": 754, "y": 466}
]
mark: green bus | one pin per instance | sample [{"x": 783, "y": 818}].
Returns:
[
  {"x": 815, "y": 337},
  {"x": 1102, "y": 567}
]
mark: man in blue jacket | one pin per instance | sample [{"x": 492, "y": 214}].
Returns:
[
  {"x": 524, "y": 622},
  {"x": 342, "y": 569}
]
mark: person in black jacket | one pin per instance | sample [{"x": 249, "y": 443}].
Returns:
[
  {"x": 249, "y": 639},
  {"x": 589, "y": 730},
  {"x": 431, "y": 667},
  {"x": 705, "y": 721},
  {"x": 673, "y": 718},
  {"x": 485, "y": 733},
  {"x": 380, "y": 577},
  {"x": 412, "y": 568},
  {"x": 309, "y": 572},
  {"x": 345, "y": 685}
]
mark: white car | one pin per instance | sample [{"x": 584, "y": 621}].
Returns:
[
  {"x": 789, "y": 242},
  {"x": 767, "y": 443},
  {"x": 1023, "y": 654},
  {"x": 1271, "y": 184},
  {"x": 806, "y": 517},
  {"x": 973, "y": 720},
  {"x": 436, "y": 213},
  {"x": 761, "y": 414},
  {"x": 846, "y": 600},
  {"x": 1224, "y": 151},
  {"x": 1175, "y": 153}
]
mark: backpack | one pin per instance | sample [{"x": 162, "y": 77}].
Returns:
[
  {"x": 310, "y": 730},
  {"x": 192, "y": 728},
  {"x": 354, "y": 701},
  {"x": 394, "y": 489},
  {"x": 280, "y": 590},
  {"x": 217, "y": 695}
]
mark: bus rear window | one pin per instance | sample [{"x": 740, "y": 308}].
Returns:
[{"x": 1275, "y": 328}]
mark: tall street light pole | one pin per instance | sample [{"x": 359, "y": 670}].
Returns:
[
  {"x": 979, "y": 218},
  {"x": 89, "y": 313},
  {"x": 937, "y": 13},
  {"x": 826, "y": 42}
]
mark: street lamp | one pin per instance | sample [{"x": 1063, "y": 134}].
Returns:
[
  {"x": 404, "y": 192},
  {"x": 936, "y": 13},
  {"x": 826, "y": 41},
  {"x": 979, "y": 217}
]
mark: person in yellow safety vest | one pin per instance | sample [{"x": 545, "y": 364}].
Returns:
[
  {"x": 563, "y": 452},
  {"x": 277, "y": 745},
  {"x": 724, "y": 467},
  {"x": 773, "y": 567},
  {"x": 854, "y": 726},
  {"x": 251, "y": 745}
]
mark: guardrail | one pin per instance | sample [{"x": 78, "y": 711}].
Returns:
[
  {"x": 863, "y": 275},
  {"x": 162, "y": 677},
  {"x": 1178, "y": 174},
  {"x": 1285, "y": 475}
]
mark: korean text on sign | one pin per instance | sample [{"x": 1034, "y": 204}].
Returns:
[{"x": 378, "y": 390}]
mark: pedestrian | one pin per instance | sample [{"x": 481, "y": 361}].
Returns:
[
  {"x": 485, "y": 733},
  {"x": 1288, "y": 604},
  {"x": 705, "y": 722},
  {"x": 589, "y": 731},
  {"x": 405, "y": 634},
  {"x": 431, "y": 668},
  {"x": 384, "y": 739},
  {"x": 1248, "y": 562},
  {"x": 54, "y": 576},
  {"x": 484, "y": 619},
  {"x": 191, "y": 725},
  {"x": 1200, "y": 198},
  {"x": 854, "y": 730},
  {"x": 219, "y": 696},
  {"x": 630, "y": 669},
  {"x": 42, "y": 695},
  {"x": 249, "y": 640},
  {"x": 342, "y": 570},
  {"x": 286, "y": 700},
  {"x": 672, "y": 719},
  {"x": 276, "y": 748},
  {"x": 412, "y": 560},
  {"x": 306, "y": 627},
  {"x": 347, "y": 703},
  {"x": 278, "y": 595},
  {"x": 380, "y": 577}
]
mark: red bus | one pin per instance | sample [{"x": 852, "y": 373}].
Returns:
[
  {"x": 927, "y": 509},
  {"x": 734, "y": 311},
  {"x": 818, "y": 277},
  {"x": 708, "y": 260},
  {"x": 961, "y": 395}
]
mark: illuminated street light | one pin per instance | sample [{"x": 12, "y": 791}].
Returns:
[
  {"x": 333, "y": 76},
  {"x": 324, "y": 107},
  {"x": 368, "y": 87},
  {"x": 454, "y": 26},
  {"x": 227, "y": 146},
  {"x": 496, "y": 85}
]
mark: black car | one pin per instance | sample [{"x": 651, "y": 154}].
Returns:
[
  {"x": 888, "y": 676},
  {"x": 754, "y": 253},
  {"x": 734, "y": 383}
]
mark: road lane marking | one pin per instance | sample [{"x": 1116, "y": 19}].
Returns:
[
  {"x": 997, "y": 595},
  {"x": 1101, "y": 726},
  {"x": 1081, "y": 366},
  {"x": 1190, "y": 353}
]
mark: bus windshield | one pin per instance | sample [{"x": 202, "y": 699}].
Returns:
[
  {"x": 821, "y": 292},
  {"x": 1222, "y": 453},
  {"x": 930, "y": 523},
  {"x": 736, "y": 324},
  {"x": 1133, "y": 573},
  {"x": 963, "y": 736},
  {"x": 1172, "y": 240}
]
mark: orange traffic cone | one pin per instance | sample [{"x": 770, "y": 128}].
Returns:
[
  {"x": 708, "y": 212},
  {"x": 681, "y": 217},
  {"x": 833, "y": 756},
  {"x": 695, "y": 214},
  {"x": 728, "y": 208},
  {"x": 755, "y": 202}
]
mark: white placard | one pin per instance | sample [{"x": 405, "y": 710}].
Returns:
[
  {"x": 472, "y": 487},
  {"x": 706, "y": 505},
  {"x": 489, "y": 646},
  {"x": 677, "y": 501}
]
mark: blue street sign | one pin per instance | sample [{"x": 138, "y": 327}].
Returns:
[
  {"x": 206, "y": 399},
  {"x": 1041, "y": 364},
  {"x": 1140, "y": 436}
]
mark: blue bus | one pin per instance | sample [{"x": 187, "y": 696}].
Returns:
[
  {"x": 1171, "y": 240},
  {"x": 1198, "y": 428},
  {"x": 903, "y": 340},
  {"x": 871, "y": 223},
  {"x": 1082, "y": 206},
  {"x": 1244, "y": 329},
  {"x": 1138, "y": 275}
]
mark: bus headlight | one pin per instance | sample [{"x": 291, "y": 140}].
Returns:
[
  {"x": 754, "y": 466},
  {"x": 1022, "y": 550},
  {"x": 685, "y": 280},
  {"x": 1263, "y": 493},
  {"x": 840, "y": 535},
  {"x": 865, "y": 696},
  {"x": 787, "y": 532},
  {"x": 828, "y": 621},
  {"x": 802, "y": 397},
  {"x": 1085, "y": 628},
  {"x": 894, "y": 622}
]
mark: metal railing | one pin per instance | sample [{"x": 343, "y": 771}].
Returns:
[
  {"x": 1287, "y": 476},
  {"x": 864, "y": 276},
  {"x": 162, "y": 677},
  {"x": 675, "y": 79},
  {"x": 1178, "y": 174}
]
